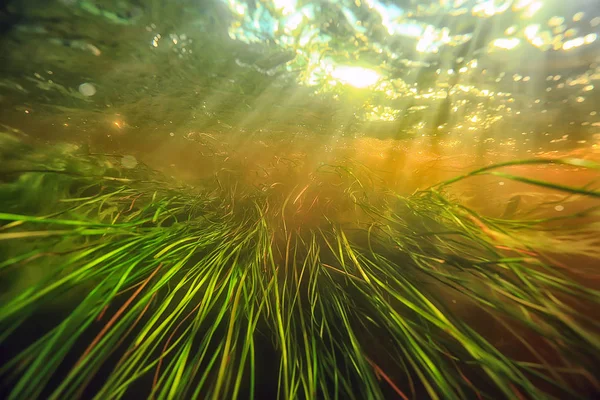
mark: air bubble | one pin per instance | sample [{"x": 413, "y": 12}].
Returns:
[{"x": 87, "y": 89}]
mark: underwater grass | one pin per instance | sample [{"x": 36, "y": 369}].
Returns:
[{"x": 229, "y": 291}]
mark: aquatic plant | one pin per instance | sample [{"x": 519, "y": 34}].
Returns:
[{"x": 122, "y": 283}]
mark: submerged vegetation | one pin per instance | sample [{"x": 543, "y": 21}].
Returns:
[
  {"x": 121, "y": 281},
  {"x": 298, "y": 261}
]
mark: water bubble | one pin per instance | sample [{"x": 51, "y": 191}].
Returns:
[
  {"x": 129, "y": 162},
  {"x": 555, "y": 21},
  {"x": 87, "y": 89},
  {"x": 559, "y": 208}
]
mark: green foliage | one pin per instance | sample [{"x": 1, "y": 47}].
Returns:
[{"x": 225, "y": 291}]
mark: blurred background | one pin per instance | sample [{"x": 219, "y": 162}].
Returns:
[{"x": 417, "y": 89}]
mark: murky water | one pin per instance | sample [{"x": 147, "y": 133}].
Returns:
[{"x": 283, "y": 97}]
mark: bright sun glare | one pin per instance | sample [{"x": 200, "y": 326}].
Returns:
[{"x": 356, "y": 76}]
